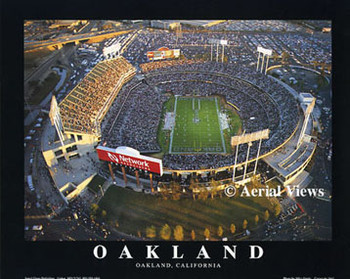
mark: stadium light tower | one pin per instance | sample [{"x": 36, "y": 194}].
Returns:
[
  {"x": 217, "y": 52},
  {"x": 223, "y": 43},
  {"x": 223, "y": 51},
  {"x": 178, "y": 31},
  {"x": 234, "y": 166},
  {"x": 55, "y": 118},
  {"x": 217, "y": 42},
  {"x": 264, "y": 52},
  {"x": 248, "y": 138},
  {"x": 246, "y": 160}
]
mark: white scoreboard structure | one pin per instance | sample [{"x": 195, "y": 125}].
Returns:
[
  {"x": 264, "y": 64},
  {"x": 217, "y": 42},
  {"x": 112, "y": 51},
  {"x": 264, "y": 51}
]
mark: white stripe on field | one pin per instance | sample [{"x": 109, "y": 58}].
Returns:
[
  {"x": 222, "y": 136},
  {"x": 172, "y": 130}
]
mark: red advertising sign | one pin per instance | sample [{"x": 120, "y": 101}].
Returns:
[
  {"x": 130, "y": 157},
  {"x": 150, "y": 54},
  {"x": 163, "y": 53}
]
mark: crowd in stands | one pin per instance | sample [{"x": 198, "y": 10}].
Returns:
[
  {"x": 263, "y": 104},
  {"x": 148, "y": 67},
  {"x": 138, "y": 110},
  {"x": 85, "y": 106}
]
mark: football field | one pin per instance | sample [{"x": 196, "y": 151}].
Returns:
[{"x": 197, "y": 127}]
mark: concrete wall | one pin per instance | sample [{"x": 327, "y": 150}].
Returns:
[{"x": 84, "y": 145}]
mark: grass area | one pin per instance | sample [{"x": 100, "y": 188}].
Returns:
[
  {"x": 135, "y": 212},
  {"x": 199, "y": 136},
  {"x": 95, "y": 183},
  {"x": 33, "y": 59},
  {"x": 197, "y": 127},
  {"x": 41, "y": 90},
  {"x": 164, "y": 135}
]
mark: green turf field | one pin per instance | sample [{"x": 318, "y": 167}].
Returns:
[
  {"x": 133, "y": 212},
  {"x": 197, "y": 128}
]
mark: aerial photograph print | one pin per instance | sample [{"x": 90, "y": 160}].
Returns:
[{"x": 177, "y": 130}]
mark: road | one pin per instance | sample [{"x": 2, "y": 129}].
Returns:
[{"x": 73, "y": 38}]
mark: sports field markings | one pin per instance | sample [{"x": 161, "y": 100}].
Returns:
[
  {"x": 172, "y": 130},
  {"x": 222, "y": 136},
  {"x": 195, "y": 105}
]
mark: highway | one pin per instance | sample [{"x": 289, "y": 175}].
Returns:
[{"x": 29, "y": 46}]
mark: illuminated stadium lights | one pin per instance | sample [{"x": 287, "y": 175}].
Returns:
[
  {"x": 248, "y": 138},
  {"x": 264, "y": 52},
  {"x": 217, "y": 42},
  {"x": 112, "y": 51},
  {"x": 264, "y": 134}
]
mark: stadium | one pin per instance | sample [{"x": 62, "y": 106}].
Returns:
[
  {"x": 155, "y": 128},
  {"x": 184, "y": 114}
]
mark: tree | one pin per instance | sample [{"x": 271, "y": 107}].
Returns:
[
  {"x": 266, "y": 215},
  {"x": 193, "y": 187},
  {"x": 255, "y": 182},
  {"x": 245, "y": 224},
  {"x": 94, "y": 207},
  {"x": 276, "y": 209},
  {"x": 233, "y": 228},
  {"x": 214, "y": 187},
  {"x": 175, "y": 190},
  {"x": 275, "y": 56},
  {"x": 165, "y": 232},
  {"x": 165, "y": 192},
  {"x": 285, "y": 57},
  {"x": 178, "y": 233},
  {"x": 193, "y": 235},
  {"x": 220, "y": 231},
  {"x": 103, "y": 213},
  {"x": 207, "y": 233},
  {"x": 256, "y": 219},
  {"x": 203, "y": 194},
  {"x": 151, "y": 231}
]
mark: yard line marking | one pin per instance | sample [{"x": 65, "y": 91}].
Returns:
[
  {"x": 172, "y": 130},
  {"x": 222, "y": 136}
]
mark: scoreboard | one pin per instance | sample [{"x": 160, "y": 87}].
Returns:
[{"x": 163, "y": 53}]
